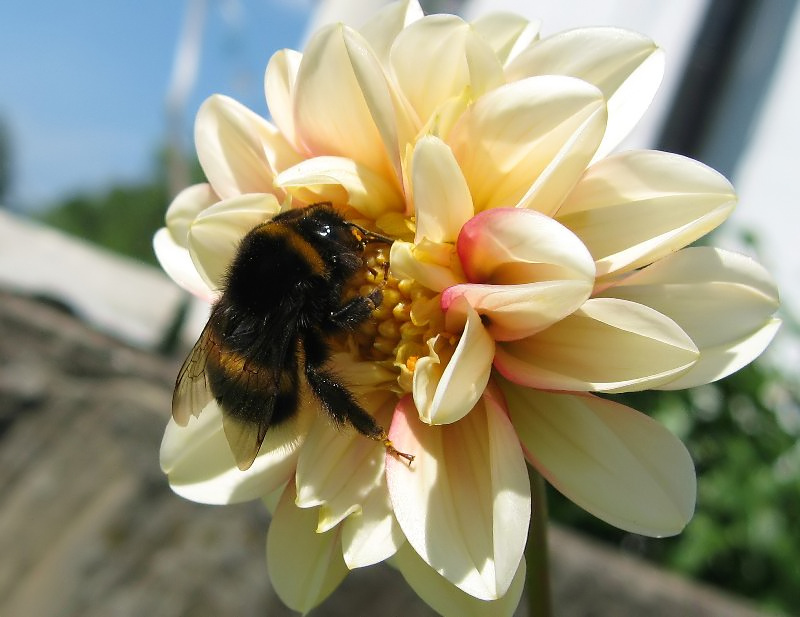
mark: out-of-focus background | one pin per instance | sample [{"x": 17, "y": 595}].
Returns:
[{"x": 97, "y": 101}]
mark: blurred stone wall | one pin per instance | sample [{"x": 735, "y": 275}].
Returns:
[{"x": 88, "y": 525}]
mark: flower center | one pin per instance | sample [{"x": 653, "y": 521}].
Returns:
[{"x": 406, "y": 318}]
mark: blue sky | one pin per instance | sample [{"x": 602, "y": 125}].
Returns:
[{"x": 82, "y": 84}]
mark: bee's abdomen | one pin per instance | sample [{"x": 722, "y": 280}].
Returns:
[{"x": 253, "y": 391}]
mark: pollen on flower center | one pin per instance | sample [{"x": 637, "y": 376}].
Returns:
[{"x": 406, "y": 318}]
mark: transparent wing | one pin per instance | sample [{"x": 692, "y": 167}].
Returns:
[{"x": 192, "y": 392}]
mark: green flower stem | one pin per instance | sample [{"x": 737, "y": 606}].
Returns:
[{"x": 537, "y": 579}]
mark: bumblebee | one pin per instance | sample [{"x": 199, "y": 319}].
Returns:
[{"x": 271, "y": 327}]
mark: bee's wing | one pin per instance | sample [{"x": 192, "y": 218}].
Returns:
[
  {"x": 244, "y": 438},
  {"x": 192, "y": 392},
  {"x": 248, "y": 401}
]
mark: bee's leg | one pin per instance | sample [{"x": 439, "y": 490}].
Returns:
[
  {"x": 356, "y": 311},
  {"x": 337, "y": 401}
]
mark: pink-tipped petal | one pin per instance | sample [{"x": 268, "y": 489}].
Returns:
[
  {"x": 512, "y": 246},
  {"x": 464, "y": 503},
  {"x": 513, "y": 312},
  {"x": 611, "y": 460}
]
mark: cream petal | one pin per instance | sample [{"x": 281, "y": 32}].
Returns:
[
  {"x": 464, "y": 503},
  {"x": 446, "y": 392},
  {"x": 694, "y": 287},
  {"x": 215, "y": 234},
  {"x": 381, "y": 31},
  {"x": 200, "y": 466},
  {"x": 341, "y": 181},
  {"x": 515, "y": 246},
  {"x": 625, "y": 65},
  {"x": 517, "y": 311},
  {"x": 463, "y": 60},
  {"x": 608, "y": 345},
  {"x": 353, "y": 468},
  {"x": 279, "y": 80},
  {"x": 617, "y": 463},
  {"x": 526, "y": 143},
  {"x": 178, "y": 264},
  {"x": 441, "y": 195},
  {"x": 410, "y": 261},
  {"x": 228, "y": 138},
  {"x": 187, "y": 204},
  {"x": 445, "y": 598},
  {"x": 372, "y": 534},
  {"x": 304, "y": 566},
  {"x": 719, "y": 361},
  {"x": 346, "y": 104},
  {"x": 507, "y": 34},
  {"x": 633, "y": 208}
]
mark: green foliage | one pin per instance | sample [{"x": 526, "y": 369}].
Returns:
[
  {"x": 742, "y": 434},
  {"x": 122, "y": 219}
]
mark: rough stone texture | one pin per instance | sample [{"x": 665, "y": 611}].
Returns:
[{"x": 89, "y": 527}]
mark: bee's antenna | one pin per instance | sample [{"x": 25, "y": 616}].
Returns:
[{"x": 368, "y": 236}]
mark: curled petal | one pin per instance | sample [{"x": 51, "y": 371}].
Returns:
[
  {"x": 526, "y": 143},
  {"x": 346, "y": 107},
  {"x": 611, "y": 460},
  {"x": 279, "y": 80},
  {"x": 461, "y": 55},
  {"x": 184, "y": 209},
  {"x": 372, "y": 534},
  {"x": 305, "y": 567},
  {"x": 445, "y": 391},
  {"x": 635, "y": 207},
  {"x": 464, "y": 503},
  {"x": 694, "y": 287},
  {"x": 626, "y": 66},
  {"x": 514, "y": 246},
  {"x": 353, "y": 467},
  {"x": 341, "y": 181},
  {"x": 608, "y": 345},
  {"x": 516, "y": 311},
  {"x": 178, "y": 264},
  {"x": 230, "y": 145},
  {"x": 216, "y": 233},
  {"x": 507, "y": 34},
  {"x": 200, "y": 466},
  {"x": 445, "y": 598},
  {"x": 381, "y": 31},
  {"x": 429, "y": 264},
  {"x": 441, "y": 195}
]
